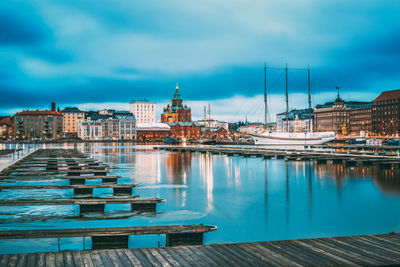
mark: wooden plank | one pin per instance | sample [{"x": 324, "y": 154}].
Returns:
[
  {"x": 168, "y": 257},
  {"x": 105, "y": 258},
  {"x": 196, "y": 250},
  {"x": 268, "y": 258},
  {"x": 228, "y": 260},
  {"x": 322, "y": 258},
  {"x": 96, "y": 259},
  {"x": 114, "y": 231},
  {"x": 215, "y": 257},
  {"x": 233, "y": 255},
  {"x": 177, "y": 257},
  {"x": 50, "y": 259},
  {"x": 122, "y": 257},
  {"x": 87, "y": 260},
  {"x": 376, "y": 249},
  {"x": 77, "y": 257},
  {"x": 142, "y": 258},
  {"x": 4, "y": 259},
  {"x": 150, "y": 257},
  {"x": 334, "y": 257},
  {"x": 12, "y": 261},
  {"x": 59, "y": 257},
  {"x": 248, "y": 256},
  {"x": 286, "y": 253},
  {"x": 68, "y": 260},
  {"x": 22, "y": 258},
  {"x": 132, "y": 257},
  {"x": 159, "y": 257},
  {"x": 31, "y": 259},
  {"x": 114, "y": 258},
  {"x": 40, "y": 260},
  {"x": 188, "y": 258}
]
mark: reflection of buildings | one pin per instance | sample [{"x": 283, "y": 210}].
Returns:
[
  {"x": 178, "y": 166},
  {"x": 387, "y": 180}
]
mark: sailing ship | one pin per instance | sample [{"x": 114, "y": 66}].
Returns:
[{"x": 288, "y": 138}]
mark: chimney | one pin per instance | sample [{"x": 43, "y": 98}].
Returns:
[
  {"x": 58, "y": 109},
  {"x": 53, "y": 106}
]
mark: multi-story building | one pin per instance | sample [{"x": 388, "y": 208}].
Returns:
[
  {"x": 42, "y": 124},
  {"x": 185, "y": 130},
  {"x": 299, "y": 120},
  {"x": 6, "y": 128},
  {"x": 335, "y": 116},
  {"x": 177, "y": 112},
  {"x": 143, "y": 110},
  {"x": 71, "y": 116},
  {"x": 386, "y": 113},
  {"x": 361, "y": 119},
  {"x": 90, "y": 130},
  {"x": 126, "y": 126},
  {"x": 152, "y": 131}
]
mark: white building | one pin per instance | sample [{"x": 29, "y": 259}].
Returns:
[
  {"x": 127, "y": 127},
  {"x": 298, "y": 121},
  {"x": 90, "y": 130},
  {"x": 213, "y": 124},
  {"x": 143, "y": 110}
]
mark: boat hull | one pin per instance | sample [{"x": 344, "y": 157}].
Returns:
[{"x": 293, "y": 138}]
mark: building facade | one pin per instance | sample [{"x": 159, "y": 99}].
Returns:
[
  {"x": 6, "y": 128},
  {"x": 386, "y": 113},
  {"x": 185, "y": 130},
  {"x": 71, "y": 117},
  {"x": 299, "y": 120},
  {"x": 177, "y": 112},
  {"x": 91, "y": 130},
  {"x": 143, "y": 110},
  {"x": 152, "y": 131},
  {"x": 38, "y": 124},
  {"x": 361, "y": 119},
  {"x": 126, "y": 126}
]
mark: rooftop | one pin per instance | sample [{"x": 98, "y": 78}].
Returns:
[
  {"x": 388, "y": 95},
  {"x": 38, "y": 113}
]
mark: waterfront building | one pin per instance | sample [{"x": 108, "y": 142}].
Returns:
[
  {"x": 143, "y": 110},
  {"x": 361, "y": 119},
  {"x": 298, "y": 120},
  {"x": 41, "y": 124},
  {"x": 6, "y": 128},
  {"x": 336, "y": 116},
  {"x": 386, "y": 113},
  {"x": 90, "y": 130},
  {"x": 154, "y": 131},
  {"x": 126, "y": 126},
  {"x": 177, "y": 112},
  {"x": 185, "y": 130},
  {"x": 71, "y": 116}
]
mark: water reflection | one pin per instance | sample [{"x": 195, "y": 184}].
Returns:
[{"x": 249, "y": 199}]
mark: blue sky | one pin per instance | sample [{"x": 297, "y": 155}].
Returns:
[{"x": 96, "y": 54}]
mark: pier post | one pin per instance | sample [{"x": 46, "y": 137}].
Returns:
[
  {"x": 77, "y": 181},
  {"x": 83, "y": 191},
  {"x": 122, "y": 191},
  {"x": 91, "y": 208},
  {"x": 143, "y": 206},
  {"x": 110, "y": 242},
  {"x": 177, "y": 239}
]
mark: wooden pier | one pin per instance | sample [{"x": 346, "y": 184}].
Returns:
[
  {"x": 367, "y": 250},
  {"x": 332, "y": 156}
]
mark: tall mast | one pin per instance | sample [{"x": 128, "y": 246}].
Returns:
[
  {"x": 265, "y": 96},
  {"x": 209, "y": 117},
  {"x": 309, "y": 99},
  {"x": 287, "y": 100}
]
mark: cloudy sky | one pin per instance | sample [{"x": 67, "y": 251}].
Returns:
[{"x": 96, "y": 54}]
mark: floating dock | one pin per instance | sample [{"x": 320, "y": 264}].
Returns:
[{"x": 367, "y": 250}]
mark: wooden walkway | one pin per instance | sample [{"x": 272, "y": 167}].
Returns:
[{"x": 368, "y": 250}]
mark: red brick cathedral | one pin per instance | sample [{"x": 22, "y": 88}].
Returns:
[{"x": 176, "y": 112}]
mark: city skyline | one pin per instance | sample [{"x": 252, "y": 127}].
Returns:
[{"x": 88, "y": 56}]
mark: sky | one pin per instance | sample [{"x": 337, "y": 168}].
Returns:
[{"x": 103, "y": 54}]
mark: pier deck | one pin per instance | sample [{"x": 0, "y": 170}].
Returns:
[{"x": 367, "y": 250}]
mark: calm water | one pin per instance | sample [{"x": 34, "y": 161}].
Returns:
[{"x": 249, "y": 199}]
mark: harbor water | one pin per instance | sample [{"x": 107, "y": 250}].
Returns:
[{"x": 248, "y": 199}]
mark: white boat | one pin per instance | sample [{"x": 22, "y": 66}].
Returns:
[
  {"x": 305, "y": 138},
  {"x": 288, "y": 138}
]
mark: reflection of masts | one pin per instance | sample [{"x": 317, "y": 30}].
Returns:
[
  {"x": 309, "y": 190},
  {"x": 287, "y": 193},
  {"x": 266, "y": 192}
]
